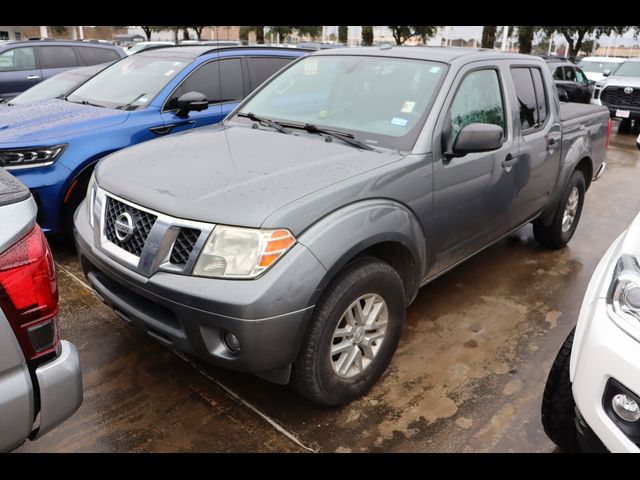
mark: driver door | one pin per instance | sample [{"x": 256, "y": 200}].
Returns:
[{"x": 473, "y": 194}]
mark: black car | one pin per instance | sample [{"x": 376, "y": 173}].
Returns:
[
  {"x": 26, "y": 63},
  {"x": 571, "y": 82}
]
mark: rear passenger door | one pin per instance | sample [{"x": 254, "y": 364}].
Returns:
[
  {"x": 18, "y": 71},
  {"x": 538, "y": 132},
  {"x": 221, "y": 81},
  {"x": 57, "y": 58}
]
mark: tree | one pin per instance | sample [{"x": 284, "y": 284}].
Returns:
[
  {"x": 525, "y": 38},
  {"x": 343, "y": 34},
  {"x": 198, "y": 29},
  {"x": 489, "y": 36},
  {"x": 283, "y": 32},
  {"x": 59, "y": 30},
  {"x": 587, "y": 46},
  {"x": 147, "y": 31},
  {"x": 367, "y": 35},
  {"x": 403, "y": 33},
  {"x": 313, "y": 31},
  {"x": 574, "y": 35}
]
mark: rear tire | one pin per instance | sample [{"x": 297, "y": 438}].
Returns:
[
  {"x": 556, "y": 235},
  {"x": 558, "y": 405},
  {"x": 317, "y": 372}
]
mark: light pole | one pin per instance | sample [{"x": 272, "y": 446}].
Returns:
[{"x": 505, "y": 35}]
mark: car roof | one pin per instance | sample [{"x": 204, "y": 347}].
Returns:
[
  {"x": 76, "y": 43},
  {"x": 195, "y": 51},
  {"x": 437, "y": 54},
  {"x": 604, "y": 59}
]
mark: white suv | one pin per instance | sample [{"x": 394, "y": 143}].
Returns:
[{"x": 592, "y": 398}]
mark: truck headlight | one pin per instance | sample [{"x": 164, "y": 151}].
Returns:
[
  {"x": 623, "y": 297},
  {"x": 30, "y": 157},
  {"x": 233, "y": 252},
  {"x": 92, "y": 189}
]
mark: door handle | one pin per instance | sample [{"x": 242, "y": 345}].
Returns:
[
  {"x": 510, "y": 161},
  {"x": 33, "y": 77}
]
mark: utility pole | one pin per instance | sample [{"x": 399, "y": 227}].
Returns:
[
  {"x": 80, "y": 29},
  {"x": 44, "y": 32},
  {"x": 505, "y": 36}
]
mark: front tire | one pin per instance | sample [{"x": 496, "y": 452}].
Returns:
[
  {"x": 353, "y": 334},
  {"x": 558, "y": 405},
  {"x": 566, "y": 217}
]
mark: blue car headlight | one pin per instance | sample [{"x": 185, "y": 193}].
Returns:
[{"x": 30, "y": 157}]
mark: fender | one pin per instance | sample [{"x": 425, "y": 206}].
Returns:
[{"x": 343, "y": 234}]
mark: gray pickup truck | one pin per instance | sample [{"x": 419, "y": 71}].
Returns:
[
  {"x": 40, "y": 378},
  {"x": 289, "y": 240}
]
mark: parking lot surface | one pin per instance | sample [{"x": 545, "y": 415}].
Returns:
[{"x": 468, "y": 375}]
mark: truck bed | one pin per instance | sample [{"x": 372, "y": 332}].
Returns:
[
  {"x": 574, "y": 111},
  {"x": 11, "y": 190}
]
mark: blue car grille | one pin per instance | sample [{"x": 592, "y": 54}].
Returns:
[{"x": 143, "y": 222}]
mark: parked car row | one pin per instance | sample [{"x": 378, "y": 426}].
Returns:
[{"x": 620, "y": 93}]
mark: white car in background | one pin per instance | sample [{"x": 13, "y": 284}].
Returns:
[
  {"x": 591, "y": 400},
  {"x": 139, "y": 46},
  {"x": 595, "y": 67}
]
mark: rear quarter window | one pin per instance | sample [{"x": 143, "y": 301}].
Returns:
[
  {"x": 95, "y": 56},
  {"x": 58, "y": 57}
]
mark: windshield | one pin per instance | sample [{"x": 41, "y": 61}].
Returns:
[
  {"x": 628, "y": 69},
  {"x": 597, "y": 67},
  {"x": 380, "y": 100},
  {"x": 57, "y": 86},
  {"x": 130, "y": 83}
]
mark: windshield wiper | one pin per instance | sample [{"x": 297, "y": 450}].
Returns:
[
  {"x": 84, "y": 102},
  {"x": 345, "y": 137},
  {"x": 130, "y": 104},
  {"x": 264, "y": 121}
]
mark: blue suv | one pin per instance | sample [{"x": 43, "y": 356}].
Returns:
[{"x": 52, "y": 146}]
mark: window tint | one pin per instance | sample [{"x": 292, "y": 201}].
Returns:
[
  {"x": 580, "y": 76},
  {"x": 58, "y": 57},
  {"x": 569, "y": 74},
  {"x": 18, "y": 59},
  {"x": 526, "y": 97},
  {"x": 206, "y": 80},
  {"x": 261, "y": 68},
  {"x": 232, "y": 82},
  {"x": 558, "y": 73},
  {"x": 94, "y": 56},
  {"x": 541, "y": 97},
  {"x": 478, "y": 100}
]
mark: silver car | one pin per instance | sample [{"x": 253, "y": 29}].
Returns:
[{"x": 40, "y": 377}]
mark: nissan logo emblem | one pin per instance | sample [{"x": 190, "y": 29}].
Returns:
[
  {"x": 125, "y": 226},
  {"x": 628, "y": 90}
]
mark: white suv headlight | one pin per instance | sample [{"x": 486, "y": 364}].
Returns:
[
  {"x": 623, "y": 296},
  {"x": 233, "y": 252},
  {"x": 92, "y": 188}
]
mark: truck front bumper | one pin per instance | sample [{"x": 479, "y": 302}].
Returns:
[{"x": 195, "y": 315}]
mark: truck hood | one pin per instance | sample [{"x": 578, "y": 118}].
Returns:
[
  {"x": 38, "y": 122},
  {"x": 232, "y": 175},
  {"x": 616, "y": 81}
]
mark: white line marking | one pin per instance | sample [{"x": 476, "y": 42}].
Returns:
[
  {"x": 237, "y": 397},
  {"x": 72, "y": 275}
]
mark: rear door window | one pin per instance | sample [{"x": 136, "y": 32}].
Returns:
[
  {"x": 526, "y": 95},
  {"x": 17, "y": 59},
  {"x": 58, "y": 57},
  {"x": 261, "y": 68},
  {"x": 95, "y": 56},
  {"x": 232, "y": 86}
]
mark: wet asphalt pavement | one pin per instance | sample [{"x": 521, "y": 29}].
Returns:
[{"x": 468, "y": 374}]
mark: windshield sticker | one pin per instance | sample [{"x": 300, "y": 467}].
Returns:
[
  {"x": 434, "y": 69},
  {"x": 311, "y": 68},
  {"x": 407, "y": 107},
  {"x": 401, "y": 122},
  {"x": 143, "y": 99}
]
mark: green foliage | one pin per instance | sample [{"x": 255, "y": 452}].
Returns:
[
  {"x": 403, "y": 33},
  {"x": 574, "y": 35},
  {"x": 313, "y": 31},
  {"x": 343, "y": 33},
  {"x": 489, "y": 36},
  {"x": 367, "y": 35}
]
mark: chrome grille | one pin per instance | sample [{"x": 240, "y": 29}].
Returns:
[
  {"x": 143, "y": 221},
  {"x": 183, "y": 246},
  {"x": 615, "y": 96}
]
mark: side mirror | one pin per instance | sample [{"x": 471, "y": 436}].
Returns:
[
  {"x": 191, "y": 102},
  {"x": 476, "y": 137},
  {"x": 606, "y": 73}
]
